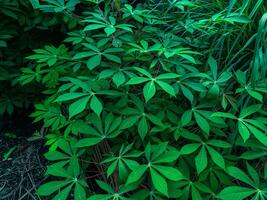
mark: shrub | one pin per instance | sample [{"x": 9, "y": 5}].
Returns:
[{"x": 153, "y": 99}]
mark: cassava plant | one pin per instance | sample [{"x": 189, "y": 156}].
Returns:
[{"x": 155, "y": 99}]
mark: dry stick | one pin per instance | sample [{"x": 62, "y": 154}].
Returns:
[
  {"x": 106, "y": 149},
  {"x": 29, "y": 193},
  {"x": 33, "y": 184},
  {"x": 97, "y": 156},
  {"x": 115, "y": 181}
]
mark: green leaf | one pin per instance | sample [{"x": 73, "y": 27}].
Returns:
[
  {"x": 112, "y": 168},
  {"x": 239, "y": 174},
  {"x": 3, "y": 43},
  {"x": 187, "y": 93},
  {"x": 110, "y": 30},
  {"x": 129, "y": 122},
  {"x": 79, "y": 192},
  {"x": 93, "y": 27},
  {"x": 216, "y": 157},
  {"x": 249, "y": 110},
  {"x": 243, "y": 130},
  {"x": 70, "y": 96},
  {"x": 106, "y": 73},
  {"x": 224, "y": 115},
  {"x": 169, "y": 172},
  {"x": 143, "y": 71},
  {"x": 136, "y": 174},
  {"x": 167, "y": 157},
  {"x": 75, "y": 165},
  {"x": 186, "y": 117},
  {"x": 51, "y": 187},
  {"x": 142, "y": 127},
  {"x": 96, "y": 105},
  {"x": 78, "y": 106},
  {"x": 166, "y": 87},
  {"x": 238, "y": 19},
  {"x": 137, "y": 80},
  {"x": 149, "y": 90},
  {"x": 112, "y": 58},
  {"x": 94, "y": 61},
  {"x": 189, "y": 148},
  {"x": 255, "y": 95},
  {"x": 57, "y": 170},
  {"x": 201, "y": 160},
  {"x": 159, "y": 182},
  {"x": 202, "y": 122},
  {"x": 83, "y": 55},
  {"x": 99, "y": 197},
  {"x": 195, "y": 194},
  {"x": 8, "y": 153},
  {"x": 104, "y": 186},
  {"x": 119, "y": 78},
  {"x": 87, "y": 142},
  {"x": 63, "y": 195},
  {"x": 258, "y": 134},
  {"x": 167, "y": 76},
  {"x": 213, "y": 66},
  {"x": 235, "y": 192}
]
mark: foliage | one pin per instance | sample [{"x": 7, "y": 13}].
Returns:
[{"x": 152, "y": 99}]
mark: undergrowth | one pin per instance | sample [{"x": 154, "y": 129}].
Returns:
[{"x": 157, "y": 99}]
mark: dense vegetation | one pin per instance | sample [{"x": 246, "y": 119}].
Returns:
[{"x": 141, "y": 99}]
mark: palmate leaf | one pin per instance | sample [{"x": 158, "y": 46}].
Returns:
[{"x": 123, "y": 161}]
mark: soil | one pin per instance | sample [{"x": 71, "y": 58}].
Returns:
[{"x": 23, "y": 170}]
